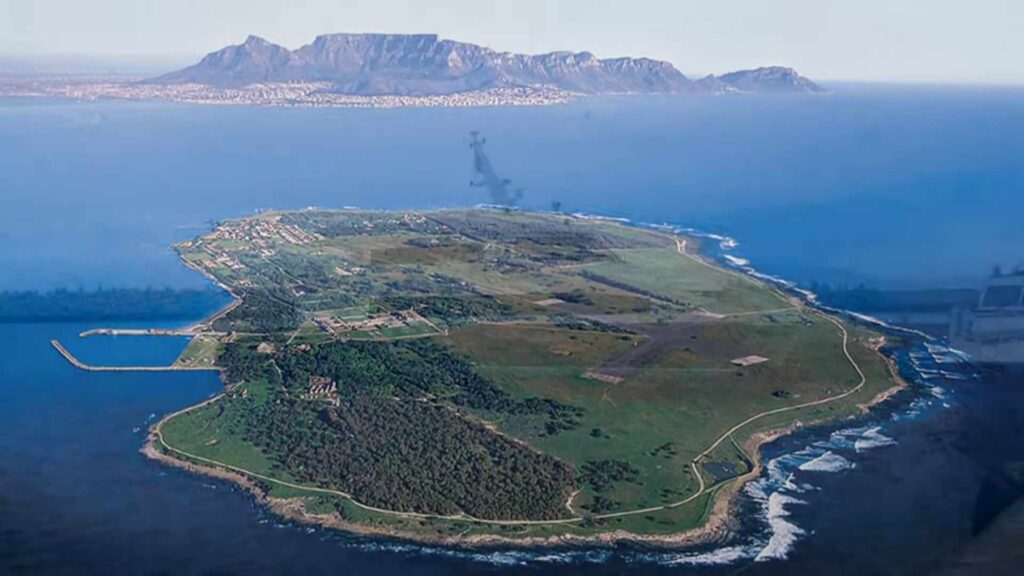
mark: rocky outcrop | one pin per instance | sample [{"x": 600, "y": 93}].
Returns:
[{"x": 765, "y": 79}]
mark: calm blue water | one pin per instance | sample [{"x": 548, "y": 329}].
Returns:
[
  {"x": 896, "y": 187},
  {"x": 890, "y": 186},
  {"x": 127, "y": 350}
]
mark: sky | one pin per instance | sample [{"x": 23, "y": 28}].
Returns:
[{"x": 963, "y": 41}]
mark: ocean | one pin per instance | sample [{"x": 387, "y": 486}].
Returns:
[{"x": 890, "y": 187}]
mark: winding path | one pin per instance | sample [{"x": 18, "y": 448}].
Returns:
[{"x": 703, "y": 487}]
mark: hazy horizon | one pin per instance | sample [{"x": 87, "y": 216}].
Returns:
[{"x": 941, "y": 41}]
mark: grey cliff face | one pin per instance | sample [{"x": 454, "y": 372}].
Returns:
[{"x": 423, "y": 64}]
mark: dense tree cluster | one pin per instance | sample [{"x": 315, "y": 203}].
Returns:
[
  {"x": 436, "y": 285},
  {"x": 558, "y": 416},
  {"x": 406, "y": 369},
  {"x": 392, "y": 440},
  {"x": 261, "y": 311},
  {"x": 418, "y": 368},
  {"x": 600, "y": 504},
  {"x": 419, "y": 457},
  {"x": 571, "y": 322},
  {"x": 602, "y": 474},
  {"x": 242, "y": 363},
  {"x": 454, "y": 310}
]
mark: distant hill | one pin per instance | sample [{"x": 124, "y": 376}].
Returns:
[
  {"x": 372, "y": 64},
  {"x": 765, "y": 79},
  {"x": 423, "y": 64}
]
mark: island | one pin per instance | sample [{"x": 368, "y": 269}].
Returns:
[{"x": 492, "y": 375}]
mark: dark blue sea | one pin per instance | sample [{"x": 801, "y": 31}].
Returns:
[{"x": 891, "y": 187}]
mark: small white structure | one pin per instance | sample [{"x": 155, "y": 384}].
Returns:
[
  {"x": 549, "y": 302},
  {"x": 748, "y": 361}
]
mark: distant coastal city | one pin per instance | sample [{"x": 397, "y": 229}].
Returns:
[
  {"x": 297, "y": 94},
  {"x": 397, "y": 70}
]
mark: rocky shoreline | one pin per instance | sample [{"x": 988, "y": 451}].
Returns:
[{"x": 719, "y": 525}]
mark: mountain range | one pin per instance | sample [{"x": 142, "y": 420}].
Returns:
[{"x": 423, "y": 64}]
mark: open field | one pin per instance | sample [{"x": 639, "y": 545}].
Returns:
[
  {"x": 201, "y": 351},
  {"x": 671, "y": 406},
  {"x": 686, "y": 280}
]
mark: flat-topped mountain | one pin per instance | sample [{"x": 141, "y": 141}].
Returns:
[{"x": 424, "y": 64}]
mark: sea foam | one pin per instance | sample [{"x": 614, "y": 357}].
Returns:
[
  {"x": 827, "y": 462},
  {"x": 784, "y": 533}
]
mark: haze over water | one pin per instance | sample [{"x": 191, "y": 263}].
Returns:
[{"x": 894, "y": 187}]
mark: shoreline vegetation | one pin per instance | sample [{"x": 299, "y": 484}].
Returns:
[{"x": 713, "y": 518}]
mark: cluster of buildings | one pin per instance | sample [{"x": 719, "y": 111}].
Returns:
[
  {"x": 218, "y": 257},
  {"x": 322, "y": 388},
  {"x": 307, "y": 94},
  {"x": 262, "y": 232},
  {"x": 395, "y": 319}
]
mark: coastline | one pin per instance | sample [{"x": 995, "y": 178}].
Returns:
[
  {"x": 717, "y": 526},
  {"x": 208, "y": 320},
  {"x": 899, "y": 383},
  {"x": 717, "y": 523},
  {"x": 275, "y": 94}
]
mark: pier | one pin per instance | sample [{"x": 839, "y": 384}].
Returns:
[
  {"x": 91, "y": 368},
  {"x": 137, "y": 332}
]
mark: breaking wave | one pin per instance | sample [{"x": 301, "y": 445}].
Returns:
[
  {"x": 736, "y": 261},
  {"x": 716, "y": 557},
  {"x": 784, "y": 533},
  {"x": 924, "y": 364},
  {"x": 827, "y": 462},
  {"x": 872, "y": 439}
]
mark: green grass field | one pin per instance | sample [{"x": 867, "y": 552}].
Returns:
[
  {"x": 201, "y": 351},
  {"x": 665, "y": 271},
  {"x": 218, "y": 434},
  {"x": 683, "y": 399}
]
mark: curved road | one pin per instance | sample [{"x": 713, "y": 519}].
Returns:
[{"x": 703, "y": 488}]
